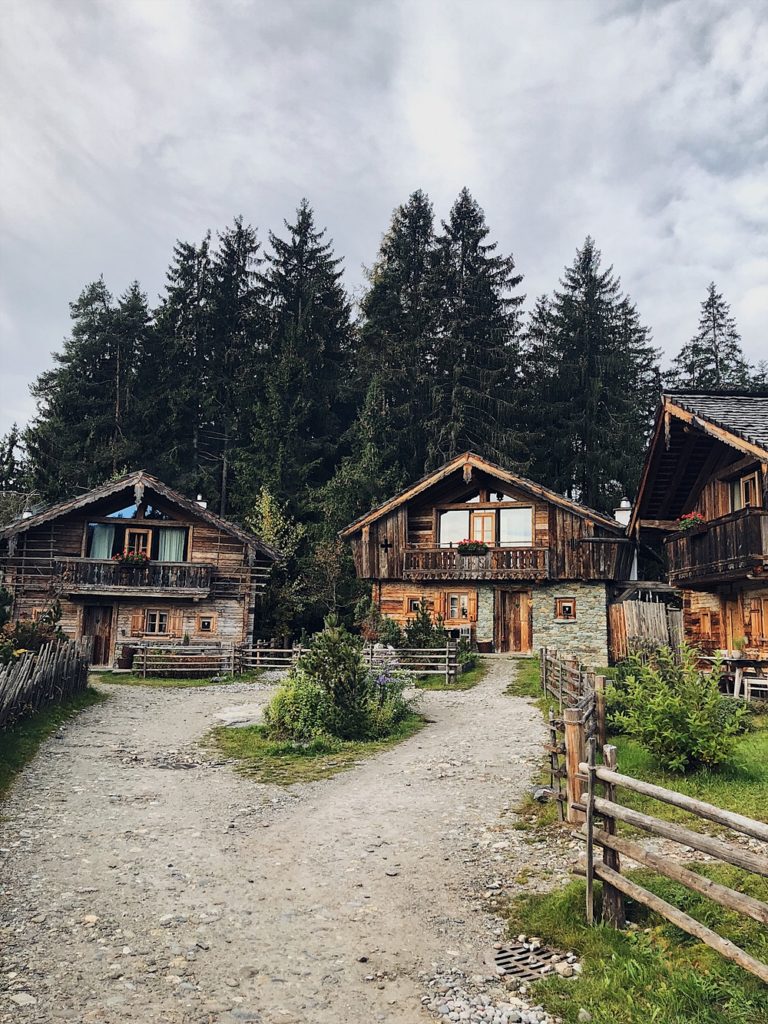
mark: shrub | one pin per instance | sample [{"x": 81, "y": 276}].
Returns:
[
  {"x": 676, "y": 710},
  {"x": 375, "y": 627},
  {"x": 30, "y": 634},
  {"x": 331, "y": 692},
  {"x": 423, "y": 630}
]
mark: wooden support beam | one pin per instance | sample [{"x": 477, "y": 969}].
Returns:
[
  {"x": 658, "y": 524},
  {"x": 724, "y": 947}
]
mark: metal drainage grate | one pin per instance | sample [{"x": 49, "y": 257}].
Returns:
[{"x": 518, "y": 961}]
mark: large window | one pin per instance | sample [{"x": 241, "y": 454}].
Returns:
[
  {"x": 454, "y": 527},
  {"x": 458, "y": 606},
  {"x": 516, "y": 527},
  {"x": 745, "y": 492}
]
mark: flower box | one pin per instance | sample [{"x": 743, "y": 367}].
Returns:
[{"x": 472, "y": 547}]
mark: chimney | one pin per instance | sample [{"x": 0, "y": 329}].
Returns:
[
  {"x": 204, "y": 504},
  {"x": 27, "y": 513},
  {"x": 623, "y": 513}
]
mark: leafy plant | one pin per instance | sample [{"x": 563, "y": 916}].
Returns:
[
  {"x": 690, "y": 521},
  {"x": 472, "y": 547},
  {"x": 30, "y": 634},
  {"x": 375, "y": 627},
  {"x": 676, "y": 710},
  {"x": 423, "y": 630},
  {"x": 131, "y": 558}
]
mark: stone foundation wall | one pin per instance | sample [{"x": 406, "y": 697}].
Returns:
[
  {"x": 484, "y": 612},
  {"x": 586, "y": 636}
]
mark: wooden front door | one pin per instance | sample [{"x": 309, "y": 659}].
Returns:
[
  {"x": 97, "y": 626},
  {"x": 512, "y": 621}
]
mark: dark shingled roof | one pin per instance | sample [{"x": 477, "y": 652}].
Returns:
[{"x": 742, "y": 413}]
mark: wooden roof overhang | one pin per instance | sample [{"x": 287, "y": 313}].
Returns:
[
  {"x": 467, "y": 463},
  {"x": 136, "y": 484},
  {"x": 683, "y": 453}
]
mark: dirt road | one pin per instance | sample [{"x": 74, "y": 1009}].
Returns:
[{"x": 140, "y": 884}]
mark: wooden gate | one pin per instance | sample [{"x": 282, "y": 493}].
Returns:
[{"x": 512, "y": 621}]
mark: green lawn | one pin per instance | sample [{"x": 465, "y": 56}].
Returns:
[
  {"x": 20, "y": 742},
  {"x": 284, "y": 763},
  {"x": 464, "y": 681},
  {"x": 169, "y": 682},
  {"x": 659, "y": 975}
]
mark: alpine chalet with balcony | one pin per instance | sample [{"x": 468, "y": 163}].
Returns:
[
  {"x": 534, "y": 574},
  {"x": 134, "y": 560}
]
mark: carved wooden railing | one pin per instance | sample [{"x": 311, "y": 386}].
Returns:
[
  {"x": 729, "y": 546},
  {"x": 498, "y": 563},
  {"x": 84, "y": 575}
]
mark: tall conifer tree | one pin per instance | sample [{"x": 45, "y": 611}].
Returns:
[
  {"x": 713, "y": 357},
  {"x": 593, "y": 383}
]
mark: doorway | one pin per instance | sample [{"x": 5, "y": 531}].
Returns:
[
  {"x": 513, "y": 621},
  {"x": 97, "y": 628}
]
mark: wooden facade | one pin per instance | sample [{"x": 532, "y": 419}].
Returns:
[
  {"x": 535, "y": 538},
  {"x": 202, "y": 579},
  {"x": 709, "y": 455}
]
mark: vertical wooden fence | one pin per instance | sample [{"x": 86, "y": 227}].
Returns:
[{"x": 35, "y": 680}]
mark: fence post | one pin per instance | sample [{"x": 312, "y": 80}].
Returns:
[
  {"x": 144, "y": 661},
  {"x": 590, "y": 824},
  {"x": 574, "y": 755},
  {"x": 600, "y": 709},
  {"x": 613, "y": 900},
  {"x": 543, "y": 668},
  {"x": 554, "y": 764}
]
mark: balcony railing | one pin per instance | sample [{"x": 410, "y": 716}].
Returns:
[
  {"x": 496, "y": 564},
  {"x": 726, "y": 548},
  {"x": 98, "y": 576}
]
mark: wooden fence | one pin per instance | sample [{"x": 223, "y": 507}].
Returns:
[
  {"x": 580, "y": 695},
  {"x": 629, "y": 621},
  {"x": 617, "y": 886},
  {"x": 200, "y": 660},
  {"x": 35, "y": 680}
]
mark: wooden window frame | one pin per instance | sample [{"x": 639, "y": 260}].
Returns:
[
  {"x": 484, "y": 515},
  {"x": 141, "y": 531},
  {"x": 213, "y": 616},
  {"x": 519, "y": 544},
  {"x": 458, "y": 594},
  {"x": 158, "y": 612},
  {"x": 559, "y": 603}
]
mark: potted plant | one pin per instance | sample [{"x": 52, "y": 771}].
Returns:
[
  {"x": 692, "y": 522},
  {"x": 131, "y": 561},
  {"x": 472, "y": 547}
]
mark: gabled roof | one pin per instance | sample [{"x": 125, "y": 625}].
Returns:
[
  {"x": 742, "y": 414},
  {"x": 675, "y": 467},
  {"x": 139, "y": 481},
  {"x": 477, "y": 462}
]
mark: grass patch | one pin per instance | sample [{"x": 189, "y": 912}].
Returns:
[
  {"x": 526, "y": 681},
  {"x": 464, "y": 681},
  {"x": 285, "y": 763},
  {"x": 659, "y": 975},
  {"x": 20, "y": 742},
  {"x": 740, "y": 784},
  {"x": 169, "y": 682}
]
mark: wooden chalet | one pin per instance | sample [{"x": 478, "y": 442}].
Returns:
[
  {"x": 542, "y": 581},
  {"x": 202, "y": 578},
  {"x": 709, "y": 455}
]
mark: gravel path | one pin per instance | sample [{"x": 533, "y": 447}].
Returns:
[{"x": 142, "y": 884}]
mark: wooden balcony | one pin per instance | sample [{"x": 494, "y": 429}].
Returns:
[
  {"x": 725, "y": 549},
  {"x": 496, "y": 564},
  {"x": 155, "y": 579}
]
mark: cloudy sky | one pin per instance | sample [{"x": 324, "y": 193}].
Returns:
[{"x": 129, "y": 123}]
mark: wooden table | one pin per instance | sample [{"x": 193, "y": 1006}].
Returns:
[{"x": 737, "y": 665}]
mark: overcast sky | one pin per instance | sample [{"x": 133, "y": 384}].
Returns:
[{"x": 129, "y": 123}]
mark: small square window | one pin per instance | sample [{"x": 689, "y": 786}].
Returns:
[
  {"x": 156, "y": 622},
  {"x": 415, "y": 602},
  {"x": 565, "y": 608},
  {"x": 206, "y": 624}
]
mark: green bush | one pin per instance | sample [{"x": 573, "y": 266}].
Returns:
[
  {"x": 423, "y": 630},
  {"x": 375, "y": 627},
  {"x": 332, "y": 693},
  {"x": 676, "y": 710}
]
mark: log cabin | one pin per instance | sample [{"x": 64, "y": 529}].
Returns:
[
  {"x": 198, "y": 576},
  {"x": 541, "y": 582},
  {"x": 708, "y": 454}
]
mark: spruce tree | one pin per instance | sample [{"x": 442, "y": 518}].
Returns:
[
  {"x": 474, "y": 363},
  {"x": 592, "y": 385},
  {"x": 713, "y": 358},
  {"x": 84, "y": 429},
  {"x": 308, "y": 399}
]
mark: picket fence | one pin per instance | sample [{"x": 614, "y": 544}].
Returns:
[{"x": 56, "y": 673}]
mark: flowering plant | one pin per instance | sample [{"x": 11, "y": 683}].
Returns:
[
  {"x": 472, "y": 547},
  {"x": 690, "y": 520},
  {"x": 130, "y": 558}
]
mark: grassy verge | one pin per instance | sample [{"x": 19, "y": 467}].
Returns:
[
  {"x": 169, "y": 682},
  {"x": 20, "y": 743},
  {"x": 657, "y": 973},
  {"x": 284, "y": 763},
  {"x": 465, "y": 681}
]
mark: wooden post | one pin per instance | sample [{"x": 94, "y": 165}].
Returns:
[
  {"x": 543, "y": 668},
  {"x": 144, "y": 661},
  {"x": 574, "y": 755},
  {"x": 590, "y": 830},
  {"x": 600, "y": 709},
  {"x": 613, "y": 900}
]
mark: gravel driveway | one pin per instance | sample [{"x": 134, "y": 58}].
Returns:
[{"x": 142, "y": 884}]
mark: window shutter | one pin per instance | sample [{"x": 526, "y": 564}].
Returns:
[
  {"x": 175, "y": 623},
  {"x": 755, "y": 621},
  {"x": 441, "y": 605},
  {"x": 137, "y": 623},
  {"x": 472, "y": 606}
]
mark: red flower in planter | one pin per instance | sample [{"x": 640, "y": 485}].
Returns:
[
  {"x": 131, "y": 558},
  {"x": 691, "y": 520}
]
